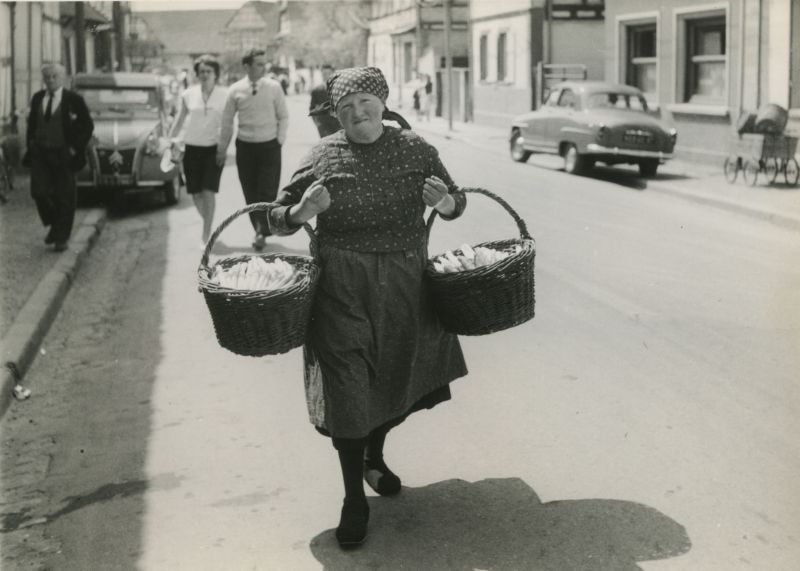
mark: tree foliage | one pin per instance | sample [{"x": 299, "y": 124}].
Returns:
[{"x": 330, "y": 32}]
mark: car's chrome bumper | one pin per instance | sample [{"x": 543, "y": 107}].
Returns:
[{"x": 594, "y": 148}]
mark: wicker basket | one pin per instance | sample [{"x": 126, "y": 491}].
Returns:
[
  {"x": 489, "y": 298},
  {"x": 258, "y": 323}
]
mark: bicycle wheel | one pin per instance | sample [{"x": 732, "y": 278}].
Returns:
[
  {"x": 771, "y": 169},
  {"x": 750, "y": 172},
  {"x": 731, "y": 168},
  {"x": 791, "y": 171}
]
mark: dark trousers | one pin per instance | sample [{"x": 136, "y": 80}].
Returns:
[
  {"x": 259, "y": 166},
  {"x": 53, "y": 190}
]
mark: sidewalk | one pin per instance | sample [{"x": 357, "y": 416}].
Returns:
[
  {"x": 34, "y": 280},
  {"x": 701, "y": 183}
]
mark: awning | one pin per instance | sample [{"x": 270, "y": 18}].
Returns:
[{"x": 67, "y": 10}]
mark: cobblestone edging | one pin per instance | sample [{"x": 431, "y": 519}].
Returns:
[{"x": 22, "y": 341}]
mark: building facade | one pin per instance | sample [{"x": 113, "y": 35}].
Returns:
[
  {"x": 407, "y": 39},
  {"x": 703, "y": 63},
  {"x": 513, "y": 43}
]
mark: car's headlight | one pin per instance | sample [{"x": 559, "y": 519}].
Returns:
[{"x": 673, "y": 135}]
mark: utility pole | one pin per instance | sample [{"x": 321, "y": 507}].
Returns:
[
  {"x": 119, "y": 35},
  {"x": 80, "y": 38},
  {"x": 448, "y": 65}
]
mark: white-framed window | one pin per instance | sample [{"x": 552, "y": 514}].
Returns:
[
  {"x": 641, "y": 57},
  {"x": 706, "y": 61},
  {"x": 483, "y": 57},
  {"x": 702, "y": 65},
  {"x": 502, "y": 56}
]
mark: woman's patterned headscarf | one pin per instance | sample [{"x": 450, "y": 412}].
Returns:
[{"x": 357, "y": 80}]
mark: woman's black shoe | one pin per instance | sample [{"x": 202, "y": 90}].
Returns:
[
  {"x": 352, "y": 530},
  {"x": 380, "y": 478}
]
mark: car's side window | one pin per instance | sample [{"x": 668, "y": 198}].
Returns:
[
  {"x": 568, "y": 99},
  {"x": 552, "y": 97}
]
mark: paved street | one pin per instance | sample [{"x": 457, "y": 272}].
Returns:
[{"x": 645, "y": 419}]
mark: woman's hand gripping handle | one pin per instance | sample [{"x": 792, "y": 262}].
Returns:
[
  {"x": 435, "y": 195},
  {"x": 315, "y": 200}
]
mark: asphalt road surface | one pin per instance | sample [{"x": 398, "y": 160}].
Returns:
[{"x": 647, "y": 418}]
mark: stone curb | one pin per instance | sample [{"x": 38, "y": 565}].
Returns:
[
  {"x": 23, "y": 339},
  {"x": 789, "y": 222}
]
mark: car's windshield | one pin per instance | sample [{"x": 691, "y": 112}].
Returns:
[
  {"x": 611, "y": 100},
  {"x": 127, "y": 101}
]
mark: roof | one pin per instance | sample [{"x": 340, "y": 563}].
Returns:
[
  {"x": 187, "y": 31},
  {"x": 597, "y": 86},
  {"x": 119, "y": 79}
]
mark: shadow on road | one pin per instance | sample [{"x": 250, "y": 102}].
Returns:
[{"x": 501, "y": 524}]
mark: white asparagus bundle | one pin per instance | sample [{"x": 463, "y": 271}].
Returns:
[
  {"x": 256, "y": 274},
  {"x": 470, "y": 258}
]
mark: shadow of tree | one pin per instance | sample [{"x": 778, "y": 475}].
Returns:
[{"x": 501, "y": 524}]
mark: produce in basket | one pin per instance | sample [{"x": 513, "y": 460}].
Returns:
[
  {"x": 470, "y": 258},
  {"x": 256, "y": 274}
]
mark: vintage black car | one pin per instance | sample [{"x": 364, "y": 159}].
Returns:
[
  {"x": 590, "y": 121},
  {"x": 131, "y": 121}
]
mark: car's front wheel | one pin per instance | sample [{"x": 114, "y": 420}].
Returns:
[
  {"x": 574, "y": 162},
  {"x": 172, "y": 191},
  {"x": 518, "y": 152},
  {"x": 648, "y": 168}
]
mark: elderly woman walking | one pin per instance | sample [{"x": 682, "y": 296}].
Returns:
[
  {"x": 201, "y": 111},
  {"x": 375, "y": 352}
]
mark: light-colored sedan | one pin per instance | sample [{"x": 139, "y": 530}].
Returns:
[
  {"x": 130, "y": 135},
  {"x": 590, "y": 121}
]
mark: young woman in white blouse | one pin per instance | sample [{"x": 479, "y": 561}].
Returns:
[{"x": 201, "y": 111}]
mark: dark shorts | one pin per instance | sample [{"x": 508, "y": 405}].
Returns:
[{"x": 200, "y": 169}]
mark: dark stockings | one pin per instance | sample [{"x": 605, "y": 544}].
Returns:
[{"x": 377, "y": 474}]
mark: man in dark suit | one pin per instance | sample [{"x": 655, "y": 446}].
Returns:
[
  {"x": 319, "y": 110},
  {"x": 59, "y": 128}
]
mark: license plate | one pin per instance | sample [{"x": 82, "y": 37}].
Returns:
[{"x": 637, "y": 137}]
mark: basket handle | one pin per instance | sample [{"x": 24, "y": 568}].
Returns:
[
  {"x": 256, "y": 206},
  {"x": 523, "y": 229}
]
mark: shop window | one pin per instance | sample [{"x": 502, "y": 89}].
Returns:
[
  {"x": 501, "y": 56},
  {"x": 640, "y": 69},
  {"x": 705, "y": 78},
  {"x": 484, "y": 57}
]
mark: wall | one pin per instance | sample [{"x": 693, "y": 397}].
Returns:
[
  {"x": 587, "y": 51},
  {"x": 497, "y": 102},
  {"x": 703, "y": 130}
]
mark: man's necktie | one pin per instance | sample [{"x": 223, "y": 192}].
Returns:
[{"x": 49, "y": 111}]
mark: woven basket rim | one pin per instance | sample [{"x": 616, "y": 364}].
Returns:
[
  {"x": 528, "y": 249},
  {"x": 310, "y": 273}
]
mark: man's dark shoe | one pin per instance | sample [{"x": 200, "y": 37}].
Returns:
[
  {"x": 49, "y": 238},
  {"x": 352, "y": 530},
  {"x": 60, "y": 246}
]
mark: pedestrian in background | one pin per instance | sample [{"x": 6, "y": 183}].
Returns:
[
  {"x": 260, "y": 105},
  {"x": 319, "y": 110},
  {"x": 59, "y": 128},
  {"x": 375, "y": 351},
  {"x": 201, "y": 108},
  {"x": 426, "y": 98}
]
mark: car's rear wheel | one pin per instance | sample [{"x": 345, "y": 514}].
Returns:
[
  {"x": 574, "y": 162},
  {"x": 648, "y": 168},
  {"x": 518, "y": 152},
  {"x": 172, "y": 191}
]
